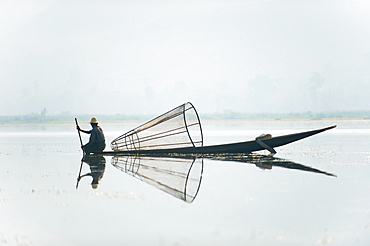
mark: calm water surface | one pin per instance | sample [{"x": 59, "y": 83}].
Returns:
[{"x": 227, "y": 202}]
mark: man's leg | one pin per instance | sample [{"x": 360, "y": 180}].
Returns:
[{"x": 89, "y": 148}]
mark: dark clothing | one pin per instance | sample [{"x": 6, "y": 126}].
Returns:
[
  {"x": 89, "y": 147},
  {"x": 96, "y": 141},
  {"x": 96, "y": 135}
]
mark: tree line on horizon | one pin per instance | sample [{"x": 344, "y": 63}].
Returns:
[{"x": 43, "y": 117}]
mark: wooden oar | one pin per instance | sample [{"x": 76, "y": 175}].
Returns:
[
  {"x": 79, "y": 134},
  {"x": 79, "y": 174}
]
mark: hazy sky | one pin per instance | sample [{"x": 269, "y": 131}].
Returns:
[{"x": 139, "y": 57}]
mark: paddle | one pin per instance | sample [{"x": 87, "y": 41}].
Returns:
[{"x": 79, "y": 134}]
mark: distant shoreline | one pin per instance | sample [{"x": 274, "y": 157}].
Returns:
[{"x": 336, "y": 115}]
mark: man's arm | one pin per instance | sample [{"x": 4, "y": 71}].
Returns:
[{"x": 79, "y": 129}]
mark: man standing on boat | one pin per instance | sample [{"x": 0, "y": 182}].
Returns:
[{"x": 97, "y": 139}]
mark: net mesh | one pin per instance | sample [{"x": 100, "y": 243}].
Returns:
[
  {"x": 179, "y": 127},
  {"x": 178, "y": 177}
]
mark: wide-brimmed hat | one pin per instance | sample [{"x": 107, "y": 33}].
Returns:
[{"x": 94, "y": 120}]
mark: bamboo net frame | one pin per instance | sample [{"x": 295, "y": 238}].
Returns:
[{"x": 179, "y": 127}]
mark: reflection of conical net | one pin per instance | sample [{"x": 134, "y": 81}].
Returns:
[
  {"x": 176, "y": 176},
  {"x": 177, "y": 128}
]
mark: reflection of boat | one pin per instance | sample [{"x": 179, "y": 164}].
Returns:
[
  {"x": 265, "y": 162},
  {"x": 179, "y": 131},
  {"x": 179, "y": 177}
]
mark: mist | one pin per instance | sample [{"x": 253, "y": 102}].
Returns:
[{"x": 146, "y": 57}]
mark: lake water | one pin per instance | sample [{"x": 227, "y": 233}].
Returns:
[{"x": 227, "y": 202}]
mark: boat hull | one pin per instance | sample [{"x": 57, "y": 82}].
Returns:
[{"x": 239, "y": 147}]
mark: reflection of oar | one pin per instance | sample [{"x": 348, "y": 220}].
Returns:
[{"x": 79, "y": 173}]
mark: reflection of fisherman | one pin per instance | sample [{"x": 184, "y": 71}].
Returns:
[
  {"x": 97, "y": 139},
  {"x": 97, "y": 167}
]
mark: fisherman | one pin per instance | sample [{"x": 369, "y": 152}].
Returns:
[{"x": 97, "y": 139}]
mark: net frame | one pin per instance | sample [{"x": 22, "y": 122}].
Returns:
[{"x": 179, "y": 127}]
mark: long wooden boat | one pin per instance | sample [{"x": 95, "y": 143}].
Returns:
[{"x": 239, "y": 147}]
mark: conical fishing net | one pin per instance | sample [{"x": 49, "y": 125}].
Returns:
[
  {"x": 178, "y": 177},
  {"x": 179, "y": 127}
]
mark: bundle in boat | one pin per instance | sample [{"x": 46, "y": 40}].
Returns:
[
  {"x": 179, "y": 177},
  {"x": 179, "y": 127}
]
